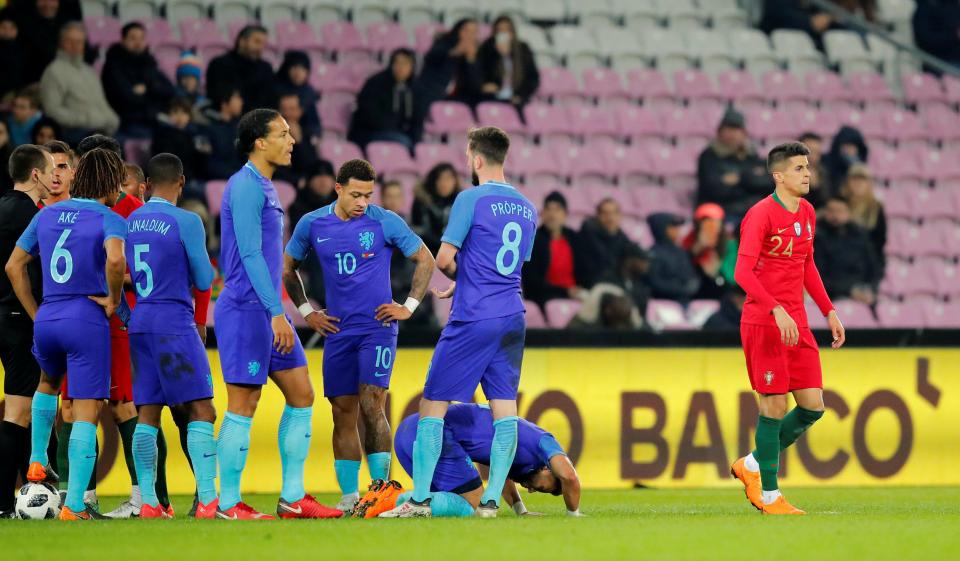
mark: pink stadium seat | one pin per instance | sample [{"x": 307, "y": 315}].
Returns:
[
  {"x": 942, "y": 315},
  {"x": 947, "y": 234},
  {"x": 425, "y": 34},
  {"x": 561, "y": 311},
  {"x": 940, "y": 166},
  {"x": 637, "y": 122},
  {"x": 638, "y": 231},
  {"x": 666, "y": 315},
  {"x": 814, "y": 318},
  {"x": 502, "y": 115},
  {"x": 390, "y": 158},
  {"x": 902, "y": 126},
  {"x": 386, "y": 36},
  {"x": 771, "y": 124},
  {"x": 855, "y": 315},
  {"x": 739, "y": 86},
  {"x": 947, "y": 277},
  {"x": 631, "y": 164},
  {"x": 344, "y": 39},
  {"x": 330, "y": 77},
  {"x": 559, "y": 85},
  {"x": 783, "y": 86},
  {"x": 297, "y": 35},
  {"x": 535, "y": 319},
  {"x": 921, "y": 87},
  {"x": 687, "y": 122},
  {"x": 672, "y": 164},
  {"x": 441, "y": 307},
  {"x": 896, "y": 166},
  {"x": 102, "y": 31},
  {"x": 200, "y": 33},
  {"x": 904, "y": 278},
  {"x": 823, "y": 123},
  {"x": 335, "y": 115},
  {"x": 869, "y": 122},
  {"x": 429, "y": 155},
  {"x": 649, "y": 85},
  {"x": 942, "y": 122},
  {"x": 339, "y": 151},
  {"x": 604, "y": 84},
  {"x": 583, "y": 164},
  {"x": 826, "y": 86},
  {"x": 579, "y": 201},
  {"x": 286, "y": 193},
  {"x": 535, "y": 163},
  {"x": 870, "y": 87},
  {"x": 934, "y": 203},
  {"x": 449, "y": 117},
  {"x": 893, "y": 314},
  {"x": 158, "y": 32},
  {"x": 694, "y": 84},
  {"x": 699, "y": 311},
  {"x": 918, "y": 241},
  {"x": 547, "y": 121},
  {"x": 214, "y": 191},
  {"x": 593, "y": 122}
]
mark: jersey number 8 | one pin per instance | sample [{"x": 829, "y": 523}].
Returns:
[{"x": 510, "y": 236}]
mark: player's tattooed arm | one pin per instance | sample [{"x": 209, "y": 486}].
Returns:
[
  {"x": 316, "y": 319},
  {"x": 392, "y": 311},
  {"x": 563, "y": 469},
  {"x": 20, "y": 280},
  {"x": 115, "y": 269}
]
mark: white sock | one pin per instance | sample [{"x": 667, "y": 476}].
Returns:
[
  {"x": 135, "y": 498},
  {"x": 351, "y": 496},
  {"x": 770, "y": 496},
  {"x": 751, "y": 463}
]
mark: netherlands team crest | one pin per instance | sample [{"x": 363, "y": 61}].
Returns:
[
  {"x": 366, "y": 240},
  {"x": 797, "y": 229}
]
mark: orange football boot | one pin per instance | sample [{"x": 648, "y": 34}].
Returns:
[
  {"x": 750, "y": 480},
  {"x": 781, "y": 506},
  {"x": 85, "y": 514},
  {"x": 386, "y": 499},
  {"x": 368, "y": 499},
  {"x": 38, "y": 473}
]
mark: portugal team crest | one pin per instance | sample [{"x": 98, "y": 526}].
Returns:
[
  {"x": 768, "y": 377},
  {"x": 366, "y": 240},
  {"x": 797, "y": 228}
]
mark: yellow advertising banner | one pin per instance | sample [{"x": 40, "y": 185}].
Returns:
[{"x": 660, "y": 417}]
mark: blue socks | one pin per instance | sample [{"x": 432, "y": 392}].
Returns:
[
  {"x": 426, "y": 454},
  {"x": 294, "y": 439},
  {"x": 43, "y": 411},
  {"x": 348, "y": 475},
  {"x": 379, "y": 464},
  {"x": 502, "y": 451},
  {"x": 232, "y": 448},
  {"x": 83, "y": 454},
  {"x": 145, "y": 462},
  {"x": 443, "y": 504},
  {"x": 203, "y": 453}
]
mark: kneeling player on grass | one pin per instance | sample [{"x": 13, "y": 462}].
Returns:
[
  {"x": 166, "y": 247},
  {"x": 774, "y": 266},
  {"x": 539, "y": 465}
]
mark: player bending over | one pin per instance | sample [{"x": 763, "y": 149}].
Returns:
[
  {"x": 774, "y": 266},
  {"x": 539, "y": 465},
  {"x": 354, "y": 241},
  {"x": 489, "y": 235},
  {"x": 166, "y": 247},
  {"x": 255, "y": 338},
  {"x": 80, "y": 246}
]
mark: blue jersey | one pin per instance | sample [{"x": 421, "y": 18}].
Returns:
[
  {"x": 251, "y": 242},
  {"x": 166, "y": 253},
  {"x": 493, "y": 225},
  {"x": 472, "y": 427},
  {"x": 68, "y": 237},
  {"x": 355, "y": 256}
]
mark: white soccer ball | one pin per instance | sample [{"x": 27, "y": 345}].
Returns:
[{"x": 37, "y": 501}]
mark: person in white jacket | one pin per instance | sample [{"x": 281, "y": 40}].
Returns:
[{"x": 71, "y": 91}]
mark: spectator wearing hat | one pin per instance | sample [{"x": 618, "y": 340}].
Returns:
[
  {"x": 294, "y": 77},
  {"x": 188, "y": 74},
  {"x": 847, "y": 149},
  {"x": 556, "y": 268},
  {"x": 243, "y": 67},
  {"x": 133, "y": 83},
  {"x": 729, "y": 171},
  {"x": 706, "y": 244},
  {"x": 845, "y": 255},
  {"x": 672, "y": 275}
]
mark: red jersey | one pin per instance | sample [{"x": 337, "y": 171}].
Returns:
[
  {"x": 126, "y": 205},
  {"x": 782, "y": 242}
]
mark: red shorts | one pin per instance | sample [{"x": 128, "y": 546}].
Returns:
[
  {"x": 775, "y": 368},
  {"x": 121, "y": 380}
]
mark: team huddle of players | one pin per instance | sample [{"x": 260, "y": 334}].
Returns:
[{"x": 85, "y": 250}]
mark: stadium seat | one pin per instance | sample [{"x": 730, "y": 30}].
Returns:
[
  {"x": 846, "y": 50},
  {"x": 298, "y": 35},
  {"x": 92, "y": 8},
  {"x": 329, "y": 78},
  {"x": 503, "y": 115},
  {"x": 429, "y": 155},
  {"x": 948, "y": 235},
  {"x": 930, "y": 204},
  {"x": 947, "y": 277},
  {"x": 638, "y": 122},
  {"x": 391, "y": 159},
  {"x": 823, "y": 123},
  {"x": 942, "y": 315},
  {"x": 681, "y": 14},
  {"x": 592, "y": 122},
  {"x": 631, "y": 164},
  {"x": 903, "y": 278},
  {"x": 546, "y": 10},
  {"x": 286, "y": 193},
  {"x": 893, "y": 314},
  {"x": 605, "y": 85},
  {"x": 339, "y": 151},
  {"x": 826, "y": 86},
  {"x": 739, "y": 86},
  {"x": 650, "y": 86},
  {"x": 102, "y": 31},
  {"x": 624, "y": 47},
  {"x": 159, "y": 33},
  {"x": 905, "y": 128},
  {"x": 796, "y": 50},
  {"x": 214, "y": 192},
  {"x": 559, "y": 85},
  {"x": 699, "y": 311},
  {"x": 201, "y": 32},
  {"x": 414, "y": 13},
  {"x": 688, "y": 122},
  {"x": 725, "y": 14},
  {"x": 383, "y": 37},
  {"x": 869, "y": 121},
  {"x": 559, "y": 312},
  {"x": 710, "y": 49},
  {"x": 770, "y": 124},
  {"x": 783, "y": 86},
  {"x": 548, "y": 122},
  {"x": 666, "y": 315},
  {"x": 667, "y": 49},
  {"x": 319, "y": 12},
  {"x": 534, "y": 316},
  {"x": 226, "y": 11},
  {"x": 673, "y": 166},
  {"x": 815, "y": 319},
  {"x": 922, "y": 88},
  {"x": 637, "y": 14},
  {"x": 941, "y": 122},
  {"x": 693, "y": 84},
  {"x": 366, "y": 12},
  {"x": 951, "y": 88},
  {"x": 577, "y": 46},
  {"x": 335, "y": 114},
  {"x": 137, "y": 150},
  {"x": 751, "y": 48},
  {"x": 870, "y": 87},
  {"x": 855, "y": 315}
]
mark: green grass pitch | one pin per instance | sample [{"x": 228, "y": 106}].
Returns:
[{"x": 845, "y": 524}]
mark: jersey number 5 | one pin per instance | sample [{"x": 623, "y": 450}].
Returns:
[
  {"x": 141, "y": 266},
  {"x": 510, "y": 236}
]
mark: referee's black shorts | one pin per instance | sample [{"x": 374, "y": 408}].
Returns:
[{"x": 21, "y": 373}]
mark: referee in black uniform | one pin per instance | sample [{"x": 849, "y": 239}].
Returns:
[{"x": 31, "y": 168}]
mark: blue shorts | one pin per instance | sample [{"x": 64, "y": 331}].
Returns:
[
  {"x": 81, "y": 347},
  {"x": 245, "y": 345},
  {"x": 350, "y": 360},
  {"x": 488, "y": 352},
  {"x": 169, "y": 369},
  {"x": 455, "y": 471}
]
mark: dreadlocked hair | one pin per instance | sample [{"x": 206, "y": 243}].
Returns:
[{"x": 99, "y": 174}]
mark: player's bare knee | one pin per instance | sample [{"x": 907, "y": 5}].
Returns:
[
  {"x": 201, "y": 410},
  {"x": 345, "y": 411},
  {"x": 17, "y": 410},
  {"x": 372, "y": 401},
  {"x": 150, "y": 415},
  {"x": 773, "y": 406}
]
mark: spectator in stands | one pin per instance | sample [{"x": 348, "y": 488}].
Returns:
[
  {"x": 175, "y": 134},
  {"x": 706, "y": 244},
  {"x": 607, "y": 306},
  {"x": 39, "y": 24},
  {"x": 45, "y": 130},
  {"x": 307, "y": 138},
  {"x": 11, "y": 53},
  {"x": 848, "y": 148},
  {"x": 556, "y": 266},
  {"x": 729, "y": 171},
  {"x": 388, "y": 105},
  {"x": 866, "y": 211},
  {"x": 433, "y": 199},
  {"x": 24, "y": 115},
  {"x": 936, "y": 28},
  {"x": 604, "y": 244},
  {"x": 671, "y": 275},
  {"x": 222, "y": 118},
  {"x": 134, "y": 182},
  {"x": 820, "y": 188},
  {"x": 845, "y": 256},
  {"x": 71, "y": 91},
  {"x": 401, "y": 269},
  {"x": 133, "y": 83},
  {"x": 294, "y": 77},
  {"x": 727, "y": 318},
  {"x": 6, "y": 149},
  {"x": 319, "y": 191},
  {"x": 450, "y": 67},
  {"x": 244, "y": 67},
  {"x": 507, "y": 66}
]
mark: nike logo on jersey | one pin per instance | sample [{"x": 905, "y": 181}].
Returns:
[
  {"x": 321, "y": 240},
  {"x": 782, "y": 230},
  {"x": 288, "y": 508},
  {"x": 380, "y": 374}
]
